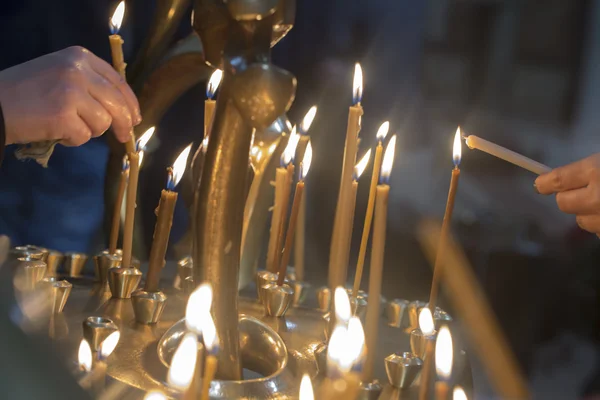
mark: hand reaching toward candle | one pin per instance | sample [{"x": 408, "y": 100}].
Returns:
[
  {"x": 577, "y": 189},
  {"x": 71, "y": 96}
]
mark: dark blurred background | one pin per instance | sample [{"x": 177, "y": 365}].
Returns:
[{"x": 522, "y": 73}]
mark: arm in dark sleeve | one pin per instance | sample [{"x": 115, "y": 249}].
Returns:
[{"x": 2, "y": 135}]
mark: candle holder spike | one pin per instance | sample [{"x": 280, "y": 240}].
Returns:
[
  {"x": 28, "y": 273},
  {"x": 103, "y": 262},
  {"x": 74, "y": 263},
  {"x": 263, "y": 277},
  {"x": 324, "y": 298},
  {"x": 96, "y": 329},
  {"x": 148, "y": 306},
  {"x": 369, "y": 390},
  {"x": 277, "y": 299},
  {"x": 290, "y": 274},
  {"x": 418, "y": 342},
  {"x": 414, "y": 308},
  {"x": 59, "y": 291},
  {"x": 123, "y": 281},
  {"x": 28, "y": 252},
  {"x": 54, "y": 261},
  {"x": 395, "y": 311},
  {"x": 402, "y": 370},
  {"x": 358, "y": 306},
  {"x": 300, "y": 292}
]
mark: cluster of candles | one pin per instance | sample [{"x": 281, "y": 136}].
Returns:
[{"x": 94, "y": 368}]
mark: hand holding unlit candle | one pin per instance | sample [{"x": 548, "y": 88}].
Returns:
[{"x": 474, "y": 142}]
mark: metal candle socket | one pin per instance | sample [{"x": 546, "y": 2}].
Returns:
[
  {"x": 394, "y": 311},
  {"x": 148, "y": 306},
  {"x": 418, "y": 342},
  {"x": 29, "y": 252},
  {"x": 414, "y": 308},
  {"x": 54, "y": 261},
  {"x": 402, "y": 370},
  {"x": 277, "y": 299},
  {"x": 29, "y": 272},
  {"x": 370, "y": 390},
  {"x": 324, "y": 298},
  {"x": 59, "y": 292},
  {"x": 103, "y": 262},
  {"x": 74, "y": 263},
  {"x": 123, "y": 281},
  {"x": 300, "y": 290},
  {"x": 262, "y": 278},
  {"x": 358, "y": 307},
  {"x": 96, "y": 329}
]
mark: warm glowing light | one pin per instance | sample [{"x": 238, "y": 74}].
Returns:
[
  {"x": 343, "y": 312},
  {"x": 198, "y": 306},
  {"x": 209, "y": 333},
  {"x": 357, "y": 86},
  {"x": 426, "y": 321},
  {"x": 155, "y": 395},
  {"x": 140, "y": 157},
  {"x": 213, "y": 83},
  {"x": 117, "y": 18},
  {"x": 145, "y": 138},
  {"x": 306, "y": 161},
  {"x": 444, "y": 353},
  {"x": 183, "y": 363},
  {"x": 179, "y": 166},
  {"x": 306, "y": 389},
  {"x": 289, "y": 151},
  {"x": 457, "y": 150},
  {"x": 272, "y": 148},
  {"x": 383, "y": 131},
  {"x": 459, "y": 394},
  {"x": 355, "y": 339},
  {"x": 337, "y": 359},
  {"x": 362, "y": 164},
  {"x": 108, "y": 345},
  {"x": 388, "y": 159},
  {"x": 308, "y": 119},
  {"x": 84, "y": 357}
]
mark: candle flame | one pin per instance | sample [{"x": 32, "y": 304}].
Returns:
[
  {"x": 145, "y": 138},
  {"x": 179, "y": 167},
  {"x": 360, "y": 167},
  {"x": 355, "y": 339},
  {"x": 183, "y": 363},
  {"x": 383, "y": 131},
  {"x": 388, "y": 160},
  {"x": 426, "y": 321},
  {"x": 306, "y": 161},
  {"x": 459, "y": 394},
  {"x": 198, "y": 305},
  {"x": 213, "y": 83},
  {"x": 336, "y": 351},
  {"x": 343, "y": 312},
  {"x": 308, "y": 120},
  {"x": 109, "y": 344},
  {"x": 84, "y": 356},
  {"x": 444, "y": 353},
  {"x": 140, "y": 158},
  {"x": 155, "y": 395},
  {"x": 290, "y": 150},
  {"x": 457, "y": 150},
  {"x": 306, "y": 389},
  {"x": 209, "y": 333},
  {"x": 357, "y": 85},
  {"x": 117, "y": 18},
  {"x": 272, "y": 148}
]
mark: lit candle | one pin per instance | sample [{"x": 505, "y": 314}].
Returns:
[
  {"x": 155, "y": 395},
  {"x": 299, "y": 246},
  {"x": 164, "y": 220},
  {"x": 210, "y": 103},
  {"x": 183, "y": 366},
  {"x": 134, "y": 170},
  {"x": 289, "y": 238},
  {"x": 381, "y": 134},
  {"x": 437, "y": 269},
  {"x": 341, "y": 252},
  {"x": 84, "y": 359},
  {"x": 306, "y": 389},
  {"x": 474, "y": 142},
  {"x": 427, "y": 327},
  {"x": 377, "y": 256},
  {"x": 342, "y": 212},
  {"x": 211, "y": 342},
  {"x": 283, "y": 181},
  {"x": 342, "y": 309},
  {"x": 116, "y": 220},
  {"x": 459, "y": 394},
  {"x": 116, "y": 50},
  {"x": 444, "y": 355},
  {"x": 100, "y": 366}
]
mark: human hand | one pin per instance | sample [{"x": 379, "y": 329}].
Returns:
[
  {"x": 577, "y": 188},
  {"x": 71, "y": 96}
]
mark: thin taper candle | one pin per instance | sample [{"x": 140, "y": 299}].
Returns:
[
  {"x": 134, "y": 169},
  {"x": 116, "y": 219}
]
